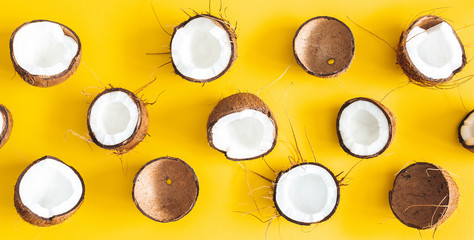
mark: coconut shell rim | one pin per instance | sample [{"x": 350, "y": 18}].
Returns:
[
  {"x": 461, "y": 140},
  {"x": 7, "y": 125}
]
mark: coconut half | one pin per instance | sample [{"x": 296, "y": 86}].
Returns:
[
  {"x": 324, "y": 47},
  {"x": 45, "y": 53},
  {"x": 117, "y": 120},
  {"x": 466, "y": 131},
  {"x": 365, "y": 127},
  {"x": 165, "y": 189},
  {"x": 6, "y": 125},
  {"x": 48, "y": 192},
  {"x": 430, "y": 52},
  {"x": 423, "y": 196},
  {"x": 242, "y": 126},
  {"x": 203, "y": 48}
]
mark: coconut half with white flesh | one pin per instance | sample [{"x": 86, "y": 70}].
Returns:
[
  {"x": 430, "y": 51},
  {"x": 117, "y": 120},
  {"x": 45, "y": 53},
  {"x": 242, "y": 127},
  {"x": 365, "y": 127},
  {"x": 324, "y": 47},
  {"x": 203, "y": 48},
  {"x": 165, "y": 189},
  {"x": 306, "y": 193},
  {"x": 466, "y": 131},
  {"x": 48, "y": 192},
  {"x": 6, "y": 124}
]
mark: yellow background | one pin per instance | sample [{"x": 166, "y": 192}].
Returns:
[{"x": 117, "y": 34}]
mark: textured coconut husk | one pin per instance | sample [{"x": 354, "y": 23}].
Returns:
[
  {"x": 222, "y": 23},
  {"x": 237, "y": 103},
  {"x": 320, "y": 39},
  {"x": 392, "y": 126},
  {"x": 140, "y": 130},
  {"x": 433, "y": 189},
  {"x": 42, "y": 80},
  {"x": 275, "y": 183},
  {"x": 30, "y": 216},
  {"x": 418, "y": 78},
  {"x": 7, "y": 125},
  {"x": 157, "y": 199},
  {"x": 461, "y": 140}
]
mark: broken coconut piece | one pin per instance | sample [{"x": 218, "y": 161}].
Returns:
[
  {"x": 203, "y": 48},
  {"x": 324, "y": 47},
  {"x": 45, "y": 53},
  {"x": 365, "y": 127},
  {"x": 6, "y": 124},
  {"x": 242, "y": 126},
  {"x": 117, "y": 120},
  {"x": 165, "y": 189},
  {"x": 48, "y": 192},
  {"x": 466, "y": 131},
  {"x": 430, "y": 52},
  {"x": 306, "y": 193},
  {"x": 423, "y": 196}
]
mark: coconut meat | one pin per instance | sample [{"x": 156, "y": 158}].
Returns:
[
  {"x": 436, "y": 52},
  {"x": 201, "y": 49},
  {"x": 2, "y": 119},
  {"x": 50, "y": 188},
  {"x": 42, "y": 48},
  {"x": 306, "y": 193},
  {"x": 467, "y": 130},
  {"x": 113, "y": 118},
  {"x": 245, "y": 134}
]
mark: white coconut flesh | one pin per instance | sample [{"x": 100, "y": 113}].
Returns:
[
  {"x": 245, "y": 134},
  {"x": 201, "y": 49},
  {"x": 364, "y": 128},
  {"x": 307, "y": 193},
  {"x": 113, "y": 118},
  {"x": 436, "y": 52},
  {"x": 50, "y": 188},
  {"x": 42, "y": 48},
  {"x": 2, "y": 119},
  {"x": 467, "y": 130}
]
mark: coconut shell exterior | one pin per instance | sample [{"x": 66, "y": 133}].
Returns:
[
  {"x": 418, "y": 78},
  {"x": 237, "y": 103},
  {"x": 461, "y": 140},
  {"x": 42, "y": 80},
  {"x": 324, "y": 38},
  {"x": 222, "y": 23},
  {"x": 392, "y": 126},
  {"x": 7, "y": 125},
  {"x": 29, "y": 216},
  {"x": 416, "y": 185},
  {"x": 160, "y": 201}
]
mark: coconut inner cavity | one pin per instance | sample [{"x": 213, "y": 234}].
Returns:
[{"x": 467, "y": 130}]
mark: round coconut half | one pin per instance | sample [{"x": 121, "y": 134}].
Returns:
[
  {"x": 48, "y": 192},
  {"x": 203, "y": 48},
  {"x": 6, "y": 124},
  {"x": 242, "y": 126},
  {"x": 423, "y": 196},
  {"x": 165, "y": 189},
  {"x": 365, "y": 127},
  {"x": 466, "y": 131},
  {"x": 45, "y": 53},
  {"x": 306, "y": 193},
  {"x": 430, "y": 52},
  {"x": 324, "y": 47}
]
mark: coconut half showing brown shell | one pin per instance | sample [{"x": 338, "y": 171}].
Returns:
[
  {"x": 430, "y": 51},
  {"x": 423, "y": 196},
  {"x": 365, "y": 127},
  {"x": 466, "y": 131},
  {"x": 324, "y": 47},
  {"x": 45, "y": 53},
  {"x": 242, "y": 127},
  {"x": 6, "y": 123},
  {"x": 165, "y": 189},
  {"x": 203, "y": 48},
  {"x": 48, "y": 192},
  {"x": 117, "y": 120}
]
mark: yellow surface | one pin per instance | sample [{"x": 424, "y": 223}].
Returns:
[{"x": 116, "y": 35}]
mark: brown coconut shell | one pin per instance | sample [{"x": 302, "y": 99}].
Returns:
[
  {"x": 237, "y": 103},
  {"x": 222, "y": 23},
  {"x": 392, "y": 126},
  {"x": 420, "y": 195},
  {"x": 418, "y": 78},
  {"x": 7, "y": 125},
  {"x": 42, "y": 80},
  {"x": 321, "y": 39},
  {"x": 461, "y": 140},
  {"x": 140, "y": 130},
  {"x": 29, "y": 216},
  {"x": 165, "y": 189}
]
